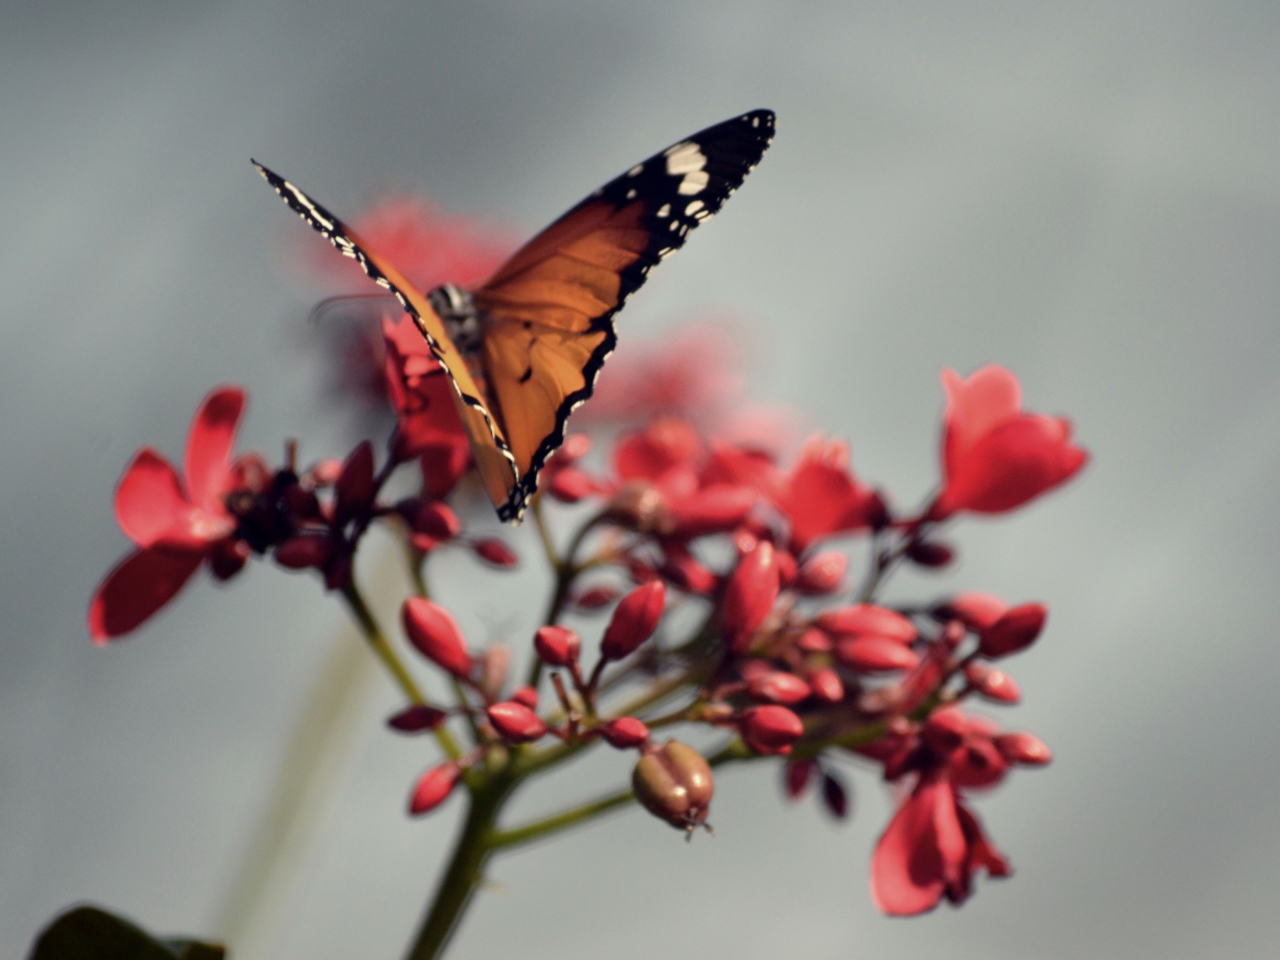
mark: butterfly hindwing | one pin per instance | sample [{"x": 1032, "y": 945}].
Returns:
[
  {"x": 488, "y": 443},
  {"x": 548, "y": 311}
]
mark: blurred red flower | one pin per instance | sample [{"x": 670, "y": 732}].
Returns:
[
  {"x": 994, "y": 456},
  {"x": 931, "y": 848},
  {"x": 176, "y": 523}
]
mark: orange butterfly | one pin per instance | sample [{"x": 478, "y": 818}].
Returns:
[{"x": 525, "y": 347}]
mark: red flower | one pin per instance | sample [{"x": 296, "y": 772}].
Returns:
[
  {"x": 422, "y": 397},
  {"x": 994, "y": 456},
  {"x": 175, "y": 523},
  {"x": 931, "y": 848},
  {"x": 822, "y": 497}
]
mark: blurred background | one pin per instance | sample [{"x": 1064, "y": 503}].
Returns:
[{"x": 1087, "y": 193}]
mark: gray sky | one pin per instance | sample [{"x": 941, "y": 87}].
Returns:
[{"x": 1088, "y": 194}]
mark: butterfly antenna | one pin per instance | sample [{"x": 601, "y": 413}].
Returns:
[{"x": 324, "y": 305}]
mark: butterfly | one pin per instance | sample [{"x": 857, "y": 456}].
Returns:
[{"x": 524, "y": 348}]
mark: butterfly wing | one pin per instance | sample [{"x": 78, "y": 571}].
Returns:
[
  {"x": 488, "y": 444},
  {"x": 548, "y": 311}
]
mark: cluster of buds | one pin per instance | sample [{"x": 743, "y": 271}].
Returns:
[{"x": 787, "y": 658}]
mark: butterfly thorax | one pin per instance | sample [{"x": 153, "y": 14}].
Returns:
[{"x": 457, "y": 311}]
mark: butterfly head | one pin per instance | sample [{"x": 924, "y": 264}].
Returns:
[{"x": 457, "y": 311}]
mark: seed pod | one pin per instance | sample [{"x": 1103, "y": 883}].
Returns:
[{"x": 674, "y": 783}]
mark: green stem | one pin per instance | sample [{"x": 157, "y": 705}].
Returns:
[
  {"x": 465, "y": 872},
  {"x": 373, "y": 634},
  {"x": 516, "y": 836}
]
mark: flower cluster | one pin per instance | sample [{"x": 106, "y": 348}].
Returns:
[{"x": 725, "y": 574}]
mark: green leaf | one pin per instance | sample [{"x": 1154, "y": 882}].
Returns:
[{"x": 87, "y": 933}]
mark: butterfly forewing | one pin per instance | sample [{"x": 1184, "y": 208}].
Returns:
[
  {"x": 548, "y": 311},
  {"x": 488, "y": 444}
]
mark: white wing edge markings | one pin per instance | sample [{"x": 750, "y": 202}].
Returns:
[
  {"x": 333, "y": 230},
  {"x": 526, "y": 486}
]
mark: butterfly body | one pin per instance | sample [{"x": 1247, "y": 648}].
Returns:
[{"x": 525, "y": 347}]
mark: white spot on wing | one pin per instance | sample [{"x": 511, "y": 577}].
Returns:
[
  {"x": 631, "y": 194},
  {"x": 687, "y": 160},
  {"x": 636, "y": 170},
  {"x": 693, "y": 207},
  {"x": 664, "y": 210}
]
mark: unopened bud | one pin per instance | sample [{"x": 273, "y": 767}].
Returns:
[
  {"x": 434, "y": 787},
  {"x": 866, "y": 619},
  {"x": 1014, "y": 631},
  {"x": 827, "y": 685},
  {"x": 435, "y": 634},
  {"x": 432, "y": 518},
  {"x": 822, "y": 573},
  {"x": 834, "y": 796},
  {"x": 416, "y": 719},
  {"x": 813, "y": 640},
  {"x": 750, "y": 596},
  {"x": 515, "y": 722},
  {"x": 625, "y": 732},
  {"x": 495, "y": 664},
  {"x": 945, "y": 730},
  {"x": 716, "y": 509},
  {"x": 228, "y": 558},
  {"x": 977, "y": 611},
  {"x": 570, "y": 485},
  {"x": 594, "y": 598},
  {"x": 979, "y": 764},
  {"x": 685, "y": 571},
  {"x": 557, "y": 646},
  {"x": 995, "y": 685},
  {"x": 796, "y": 775},
  {"x": 875, "y": 654},
  {"x": 928, "y": 554},
  {"x": 674, "y": 782},
  {"x": 495, "y": 551},
  {"x": 770, "y": 729},
  {"x": 354, "y": 486},
  {"x": 526, "y": 696},
  {"x": 777, "y": 686},
  {"x": 1025, "y": 749},
  {"x": 303, "y": 551},
  {"x": 634, "y": 620}
]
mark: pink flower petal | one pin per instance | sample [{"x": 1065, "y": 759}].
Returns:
[
  {"x": 922, "y": 849},
  {"x": 139, "y": 586},
  {"x": 976, "y": 406},
  {"x": 149, "y": 500},
  {"x": 213, "y": 434}
]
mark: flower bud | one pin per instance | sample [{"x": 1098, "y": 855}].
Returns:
[
  {"x": 1025, "y": 749},
  {"x": 995, "y": 685},
  {"x": 594, "y": 598},
  {"x": 823, "y": 572},
  {"x": 796, "y": 775},
  {"x": 685, "y": 571},
  {"x": 770, "y": 729},
  {"x": 575, "y": 447},
  {"x": 435, "y": 634},
  {"x": 432, "y": 518},
  {"x": 875, "y": 654},
  {"x": 813, "y": 640},
  {"x": 515, "y": 722},
  {"x": 434, "y": 787},
  {"x": 834, "y": 796},
  {"x": 625, "y": 732},
  {"x": 827, "y": 685},
  {"x": 570, "y": 485},
  {"x": 228, "y": 558},
  {"x": 928, "y": 554},
  {"x": 526, "y": 696},
  {"x": 978, "y": 764},
  {"x": 1014, "y": 631},
  {"x": 716, "y": 509},
  {"x": 557, "y": 646},
  {"x": 495, "y": 551},
  {"x": 634, "y": 620},
  {"x": 777, "y": 686},
  {"x": 750, "y": 596},
  {"x": 674, "y": 783},
  {"x": 416, "y": 718},
  {"x": 977, "y": 611},
  {"x": 788, "y": 571},
  {"x": 495, "y": 664},
  {"x": 865, "y": 619},
  {"x": 303, "y": 551}
]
